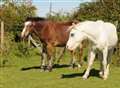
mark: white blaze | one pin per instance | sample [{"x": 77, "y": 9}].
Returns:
[{"x": 25, "y": 27}]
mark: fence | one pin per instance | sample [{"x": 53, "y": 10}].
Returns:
[{"x": 2, "y": 35}]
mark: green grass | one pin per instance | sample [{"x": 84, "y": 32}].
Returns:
[{"x": 12, "y": 75}]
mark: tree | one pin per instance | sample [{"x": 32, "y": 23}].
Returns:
[
  {"x": 58, "y": 16},
  {"x": 14, "y": 13},
  {"x": 107, "y": 10}
]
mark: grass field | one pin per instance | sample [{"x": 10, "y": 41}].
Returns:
[{"x": 25, "y": 73}]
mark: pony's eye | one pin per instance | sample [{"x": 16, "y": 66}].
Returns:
[{"x": 72, "y": 34}]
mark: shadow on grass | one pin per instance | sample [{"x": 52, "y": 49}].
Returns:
[
  {"x": 38, "y": 67},
  {"x": 29, "y": 68},
  {"x": 60, "y": 66},
  {"x": 93, "y": 72}
]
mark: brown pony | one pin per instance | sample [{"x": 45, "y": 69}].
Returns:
[{"x": 51, "y": 34}]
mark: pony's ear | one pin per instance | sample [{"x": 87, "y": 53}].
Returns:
[
  {"x": 70, "y": 28},
  {"x": 75, "y": 21},
  {"x": 73, "y": 24},
  {"x": 33, "y": 23}
]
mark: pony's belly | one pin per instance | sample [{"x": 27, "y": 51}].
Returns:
[
  {"x": 101, "y": 45},
  {"x": 58, "y": 44}
]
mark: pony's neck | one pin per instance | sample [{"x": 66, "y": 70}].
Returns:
[
  {"x": 90, "y": 37},
  {"x": 38, "y": 28}
]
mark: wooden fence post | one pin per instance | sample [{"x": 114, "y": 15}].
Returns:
[{"x": 2, "y": 35}]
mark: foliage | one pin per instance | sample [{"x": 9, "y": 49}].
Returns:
[
  {"x": 26, "y": 73},
  {"x": 58, "y": 16},
  {"x": 13, "y": 49},
  {"x": 14, "y": 13},
  {"x": 107, "y": 10}
]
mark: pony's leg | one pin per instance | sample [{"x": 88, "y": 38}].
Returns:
[
  {"x": 78, "y": 60},
  {"x": 50, "y": 63},
  {"x": 100, "y": 57},
  {"x": 80, "y": 57},
  {"x": 43, "y": 58},
  {"x": 104, "y": 62},
  {"x": 91, "y": 58},
  {"x": 61, "y": 55},
  {"x": 50, "y": 52},
  {"x": 43, "y": 54},
  {"x": 82, "y": 46},
  {"x": 73, "y": 59},
  {"x": 110, "y": 52}
]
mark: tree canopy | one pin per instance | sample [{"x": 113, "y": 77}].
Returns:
[
  {"x": 13, "y": 14},
  {"x": 107, "y": 10}
]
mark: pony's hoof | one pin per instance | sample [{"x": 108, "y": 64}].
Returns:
[
  {"x": 101, "y": 74},
  {"x": 49, "y": 69},
  {"x": 79, "y": 66},
  {"x": 104, "y": 77},
  {"x": 72, "y": 66},
  {"x": 84, "y": 77},
  {"x": 43, "y": 68}
]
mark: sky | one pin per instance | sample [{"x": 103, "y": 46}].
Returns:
[{"x": 57, "y": 6}]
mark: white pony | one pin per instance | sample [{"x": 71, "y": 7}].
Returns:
[{"x": 103, "y": 37}]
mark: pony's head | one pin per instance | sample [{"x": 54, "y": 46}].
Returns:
[
  {"x": 29, "y": 25},
  {"x": 76, "y": 37},
  {"x": 28, "y": 28}
]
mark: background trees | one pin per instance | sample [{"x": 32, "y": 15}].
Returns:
[
  {"x": 14, "y": 13},
  {"x": 107, "y": 10}
]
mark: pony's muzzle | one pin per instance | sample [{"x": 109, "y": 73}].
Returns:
[
  {"x": 22, "y": 36},
  {"x": 67, "y": 47}
]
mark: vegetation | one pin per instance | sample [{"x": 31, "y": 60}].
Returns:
[
  {"x": 13, "y": 14},
  {"x": 25, "y": 73}
]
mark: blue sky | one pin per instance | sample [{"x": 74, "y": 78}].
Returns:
[{"x": 57, "y": 6}]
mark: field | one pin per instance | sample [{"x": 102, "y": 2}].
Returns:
[{"x": 24, "y": 72}]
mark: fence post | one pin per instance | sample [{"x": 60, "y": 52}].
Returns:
[{"x": 2, "y": 35}]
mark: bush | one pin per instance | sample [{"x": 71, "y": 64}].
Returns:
[{"x": 13, "y": 49}]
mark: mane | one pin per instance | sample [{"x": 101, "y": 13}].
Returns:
[{"x": 35, "y": 19}]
